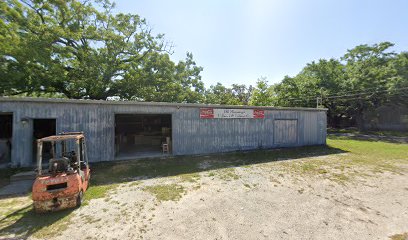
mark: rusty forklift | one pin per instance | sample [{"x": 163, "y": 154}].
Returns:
[{"x": 65, "y": 179}]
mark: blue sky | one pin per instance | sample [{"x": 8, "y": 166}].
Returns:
[{"x": 237, "y": 41}]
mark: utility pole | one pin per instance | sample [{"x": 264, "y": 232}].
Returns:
[{"x": 318, "y": 102}]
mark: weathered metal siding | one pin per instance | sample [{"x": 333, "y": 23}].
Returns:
[
  {"x": 92, "y": 119},
  {"x": 285, "y": 131},
  {"x": 191, "y": 135}
]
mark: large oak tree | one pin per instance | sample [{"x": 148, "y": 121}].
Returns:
[{"x": 80, "y": 49}]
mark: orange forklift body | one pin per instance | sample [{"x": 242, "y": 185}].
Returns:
[{"x": 63, "y": 185}]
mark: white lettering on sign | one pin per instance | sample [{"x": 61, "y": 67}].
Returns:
[{"x": 231, "y": 113}]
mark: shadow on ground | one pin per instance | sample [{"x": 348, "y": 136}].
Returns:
[
  {"x": 124, "y": 171},
  {"x": 28, "y": 222}
]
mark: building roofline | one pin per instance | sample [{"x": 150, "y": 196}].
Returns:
[{"x": 190, "y": 105}]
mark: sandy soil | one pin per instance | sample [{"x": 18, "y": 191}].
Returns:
[{"x": 257, "y": 202}]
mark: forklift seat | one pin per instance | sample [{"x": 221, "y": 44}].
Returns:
[{"x": 58, "y": 165}]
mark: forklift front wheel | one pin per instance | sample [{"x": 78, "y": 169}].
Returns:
[{"x": 80, "y": 198}]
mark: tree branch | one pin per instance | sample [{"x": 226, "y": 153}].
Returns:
[{"x": 35, "y": 10}]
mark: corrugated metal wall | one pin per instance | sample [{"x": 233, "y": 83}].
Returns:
[{"x": 191, "y": 135}]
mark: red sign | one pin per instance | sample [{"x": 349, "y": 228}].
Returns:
[
  {"x": 258, "y": 113},
  {"x": 206, "y": 113},
  {"x": 231, "y": 113}
]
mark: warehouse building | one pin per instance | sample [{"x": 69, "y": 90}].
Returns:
[{"x": 117, "y": 130}]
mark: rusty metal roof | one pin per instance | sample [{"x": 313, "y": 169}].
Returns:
[{"x": 61, "y": 137}]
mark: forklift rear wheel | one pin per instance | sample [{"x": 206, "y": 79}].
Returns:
[{"x": 80, "y": 198}]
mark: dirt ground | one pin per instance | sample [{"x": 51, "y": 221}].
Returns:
[
  {"x": 258, "y": 202},
  {"x": 268, "y": 200}
]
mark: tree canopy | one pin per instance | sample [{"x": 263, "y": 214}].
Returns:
[
  {"x": 82, "y": 50},
  {"x": 365, "y": 78}
]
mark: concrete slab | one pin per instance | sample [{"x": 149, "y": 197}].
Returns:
[
  {"x": 22, "y": 176},
  {"x": 16, "y": 188}
]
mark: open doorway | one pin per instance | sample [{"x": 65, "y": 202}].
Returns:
[
  {"x": 6, "y": 134},
  {"x": 138, "y": 135},
  {"x": 43, "y": 128}
]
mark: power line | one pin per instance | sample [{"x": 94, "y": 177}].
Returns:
[
  {"x": 364, "y": 98},
  {"x": 365, "y": 89},
  {"x": 337, "y": 100},
  {"x": 364, "y": 93},
  {"x": 342, "y": 96},
  {"x": 352, "y": 91}
]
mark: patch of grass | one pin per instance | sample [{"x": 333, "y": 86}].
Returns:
[
  {"x": 228, "y": 174},
  {"x": 402, "y": 236},
  {"x": 190, "y": 177},
  {"x": 306, "y": 167},
  {"x": 362, "y": 159},
  {"x": 272, "y": 179},
  {"x": 166, "y": 192},
  {"x": 134, "y": 184},
  {"x": 311, "y": 167},
  {"x": 247, "y": 185},
  {"x": 322, "y": 171},
  {"x": 101, "y": 191},
  {"x": 55, "y": 228},
  {"x": 340, "y": 178},
  {"x": 9, "y": 205},
  {"x": 369, "y": 157},
  {"x": 211, "y": 174},
  {"x": 342, "y": 130},
  {"x": 370, "y": 148},
  {"x": 381, "y": 154},
  {"x": 90, "y": 219}
]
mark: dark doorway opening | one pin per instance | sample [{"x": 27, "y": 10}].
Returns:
[
  {"x": 138, "y": 135},
  {"x": 6, "y": 135},
  {"x": 43, "y": 128}
]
